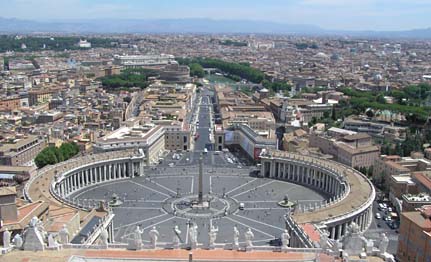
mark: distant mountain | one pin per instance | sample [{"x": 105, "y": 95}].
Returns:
[
  {"x": 12, "y": 25},
  {"x": 153, "y": 26}
]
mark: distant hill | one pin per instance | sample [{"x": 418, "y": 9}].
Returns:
[{"x": 12, "y": 25}]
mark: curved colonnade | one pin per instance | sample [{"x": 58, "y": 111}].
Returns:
[
  {"x": 98, "y": 171},
  {"x": 54, "y": 184},
  {"x": 351, "y": 194}
]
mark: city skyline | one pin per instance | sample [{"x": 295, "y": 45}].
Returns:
[{"x": 328, "y": 14}]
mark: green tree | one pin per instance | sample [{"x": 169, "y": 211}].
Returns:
[
  {"x": 196, "y": 70},
  {"x": 53, "y": 155}
]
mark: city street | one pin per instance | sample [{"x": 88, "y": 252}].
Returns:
[{"x": 203, "y": 125}]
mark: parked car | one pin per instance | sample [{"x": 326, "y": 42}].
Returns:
[{"x": 378, "y": 216}]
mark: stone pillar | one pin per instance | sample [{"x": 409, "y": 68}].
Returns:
[
  {"x": 333, "y": 232},
  {"x": 271, "y": 168},
  {"x": 75, "y": 180},
  {"x": 85, "y": 178},
  {"x": 339, "y": 231}
]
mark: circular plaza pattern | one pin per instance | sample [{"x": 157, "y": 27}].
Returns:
[
  {"x": 324, "y": 193},
  {"x": 163, "y": 197}
]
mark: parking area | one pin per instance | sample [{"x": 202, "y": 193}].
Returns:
[{"x": 381, "y": 225}]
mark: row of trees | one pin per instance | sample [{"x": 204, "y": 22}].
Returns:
[
  {"x": 53, "y": 155},
  {"x": 277, "y": 86},
  {"x": 229, "y": 42},
  {"x": 234, "y": 71},
  {"x": 241, "y": 70},
  {"x": 128, "y": 78},
  {"x": 415, "y": 113},
  {"x": 10, "y": 43},
  {"x": 303, "y": 46},
  {"x": 412, "y": 143}
]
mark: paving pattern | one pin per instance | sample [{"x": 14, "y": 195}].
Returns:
[{"x": 156, "y": 200}]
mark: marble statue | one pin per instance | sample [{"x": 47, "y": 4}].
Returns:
[
  {"x": 235, "y": 237},
  {"x": 193, "y": 235},
  {"x": 354, "y": 228},
  {"x": 336, "y": 247},
  {"x": 354, "y": 242},
  {"x": 324, "y": 240},
  {"x": 64, "y": 235},
  {"x": 384, "y": 242},
  {"x": 212, "y": 234},
  {"x": 6, "y": 238},
  {"x": 285, "y": 238},
  {"x": 249, "y": 236},
  {"x": 52, "y": 243},
  {"x": 135, "y": 243},
  {"x": 154, "y": 235},
  {"x": 17, "y": 241},
  {"x": 177, "y": 234},
  {"x": 369, "y": 246},
  {"x": 42, "y": 230},
  {"x": 33, "y": 238},
  {"x": 104, "y": 235}
]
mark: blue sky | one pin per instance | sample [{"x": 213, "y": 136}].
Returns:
[{"x": 330, "y": 14}]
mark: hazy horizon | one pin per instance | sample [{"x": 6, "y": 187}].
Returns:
[{"x": 386, "y": 15}]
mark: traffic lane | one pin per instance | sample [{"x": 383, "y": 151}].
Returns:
[
  {"x": 379, "y": 226},
  {"x": 203, "y": 139}
]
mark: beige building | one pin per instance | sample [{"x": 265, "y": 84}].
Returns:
[
  {"x": 415, "y": 236},
  {"x": 20, "y": 151},
  {"x": 350, "y": 148},
  {"x": 148, "y": 139},
  {"x": 177, "y": 138},
  {"x": 388, "y": 166}
]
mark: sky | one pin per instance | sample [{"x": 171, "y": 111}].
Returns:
[{"x": 328, "y": 14}]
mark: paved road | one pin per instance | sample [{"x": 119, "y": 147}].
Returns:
[
  {"x": 204, "y": 122},
  {"x": 379, "y": 226}
]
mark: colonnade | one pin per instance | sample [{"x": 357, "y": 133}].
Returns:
[
  {"x": 304, "y": 174},
  {"x": 314, "y": 174},
  {"x": 96, "y": 173}
]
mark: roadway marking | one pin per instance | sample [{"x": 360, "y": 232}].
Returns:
[
  {"x": 140, "y": 221},
  {"x": 265, "y": 208},
  {"x": 163, "y": 221},
  {"x": 247, "y": 226},
  {"x": 238, "y": 187},
  {"x": 268, "y": 183},
  {"x": 149, "y": 188},
  {"x": 98, "y": 186},
  {"x": 162, "y": 186},
  {"x": 268, "y": 225}
]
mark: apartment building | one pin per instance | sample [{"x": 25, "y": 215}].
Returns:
[
  {"x": 150, "y": 140},
  {"x": 20, "y": 151},
  {"x": 414, "y": 241},
  {"x": 352, "y": 149}
]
